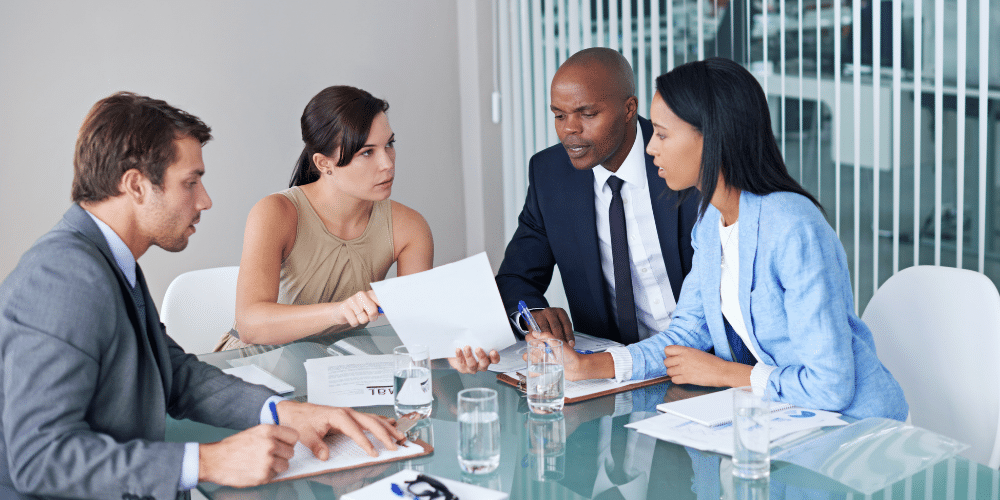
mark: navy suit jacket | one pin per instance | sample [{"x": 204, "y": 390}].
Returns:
[{"x": 558, "y": 226}]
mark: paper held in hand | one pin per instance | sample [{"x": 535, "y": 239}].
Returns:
[{"x": 448, "y": 307}]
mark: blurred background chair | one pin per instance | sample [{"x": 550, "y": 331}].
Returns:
[
  {"x": 937, "y": 330},
  {"x": 199, "y": 306}
]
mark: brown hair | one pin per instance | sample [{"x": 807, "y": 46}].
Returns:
[
  {"x": 339, "y": 116},
  {"x": 125, "y": 131}
]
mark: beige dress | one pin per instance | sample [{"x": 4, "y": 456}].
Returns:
[{"x": 324, "y": 268}]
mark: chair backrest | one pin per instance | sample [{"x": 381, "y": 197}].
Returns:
[
  {"x": 937, "y": 330},
  {"x": 200, "y": 306}
]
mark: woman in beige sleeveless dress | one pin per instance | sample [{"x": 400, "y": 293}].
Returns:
[{"x": 311, "y": 252}]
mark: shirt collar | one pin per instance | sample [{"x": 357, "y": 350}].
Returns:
[
  {"x": 123, "y": 256},
  {"x": 633, "y": 169}
]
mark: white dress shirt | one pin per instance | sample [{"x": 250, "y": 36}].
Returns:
[
  {"x": 654, "y": 298},
  {"x": 729, "y": 294}
]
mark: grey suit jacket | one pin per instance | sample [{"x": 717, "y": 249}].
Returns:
[{"x": 85, "y": 385}]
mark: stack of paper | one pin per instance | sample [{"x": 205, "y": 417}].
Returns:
[{"x": 719, "y": 439}]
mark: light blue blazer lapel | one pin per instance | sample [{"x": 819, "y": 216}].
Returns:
[
  {"x": 750, "y": 208},
  {"x": 711, "y": 274}
]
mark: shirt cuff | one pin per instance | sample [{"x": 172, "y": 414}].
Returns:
[
  {"x": 758, "y": 377},
  {"x": 189, "y": 467},
  {"x": 265, "y": 411},
  {"x": 623, "y": 362}
]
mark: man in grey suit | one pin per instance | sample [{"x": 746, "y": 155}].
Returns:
[{"x": 88, "y": 371}]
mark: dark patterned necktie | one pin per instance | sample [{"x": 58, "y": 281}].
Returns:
[
  {"x": 741, "y": 354},
  {"x": 624, "y": 300}
]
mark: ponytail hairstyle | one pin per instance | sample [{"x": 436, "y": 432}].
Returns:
[
  {"x": 338, "y": 117},
  {"x": 724, "y": 102}
]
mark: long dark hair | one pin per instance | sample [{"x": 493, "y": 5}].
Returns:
[
  {"x": 339, "y": 116},
  {"x": 724, "y": 102}
]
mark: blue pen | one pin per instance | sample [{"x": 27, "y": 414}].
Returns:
[
  {"x": 528, "y": 318},
  {"x": 274, "y": 412},
  {"x": 380, "y": 311}
]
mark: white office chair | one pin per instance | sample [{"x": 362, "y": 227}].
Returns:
[
  {"x": 937, "y": 330},
  {"x": 200, "y": 306}
]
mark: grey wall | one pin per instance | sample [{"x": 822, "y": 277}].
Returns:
[{"x": 247, "y": 68}]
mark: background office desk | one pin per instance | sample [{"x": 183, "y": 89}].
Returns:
[{"x": 599, "y": 457}]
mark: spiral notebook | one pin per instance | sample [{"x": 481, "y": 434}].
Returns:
[{"x": 711, "y": 409}]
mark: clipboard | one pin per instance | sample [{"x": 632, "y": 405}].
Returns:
[
  {"x": 315, "y": 468},
  {"x": 601, "y": 389}
]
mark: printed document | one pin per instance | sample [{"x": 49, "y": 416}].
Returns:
[
  {"x": 448, "y": 307},
  {"x": 350, "y": 380},
  {"x": 343, "y": 453},
  {"x": 719, "y": 439}
]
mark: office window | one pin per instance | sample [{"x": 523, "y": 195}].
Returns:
[{"x": 886, "y": 114}]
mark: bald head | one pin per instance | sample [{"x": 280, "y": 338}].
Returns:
[
  {"x": 614, "y": 68},
  {"x": 595, "y": 108}
]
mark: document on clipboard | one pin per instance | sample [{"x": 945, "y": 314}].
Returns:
[
  {"x": 582, "y": 390},
  {"x": 346, "y": 454}
]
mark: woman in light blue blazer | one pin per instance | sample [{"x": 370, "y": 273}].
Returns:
[{"x": 769, "y": 289}]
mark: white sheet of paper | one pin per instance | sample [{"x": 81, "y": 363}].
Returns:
[
  {"x": 448, "y": 307},
  {"x": 343, "y": 453},
  {"x": 350, "y": 380},
  {"x": 257, "y": 375},
  {"x": 719, "y": 439}
]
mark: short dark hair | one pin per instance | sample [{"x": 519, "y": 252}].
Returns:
[
  {"x": 338, "y": 116},
  {"x": 619, "y": 71},
  {"x": 125, "y": 131},
  {"x": 726, "y": 104}
]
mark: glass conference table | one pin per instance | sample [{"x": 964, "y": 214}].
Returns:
[{"x": 586, "y": 452}]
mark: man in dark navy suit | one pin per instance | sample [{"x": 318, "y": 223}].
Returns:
[{"x": 596, "y": 208}]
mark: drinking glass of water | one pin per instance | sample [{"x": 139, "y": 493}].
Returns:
[
  {"x": 751, "y": 443},
  {"x": 412, "y": 381},
  {"x": 478, "y": 431},
  {"x": 545, "y": 381}
]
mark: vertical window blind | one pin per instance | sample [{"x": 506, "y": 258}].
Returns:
[{"x": 886, "y": 111}]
